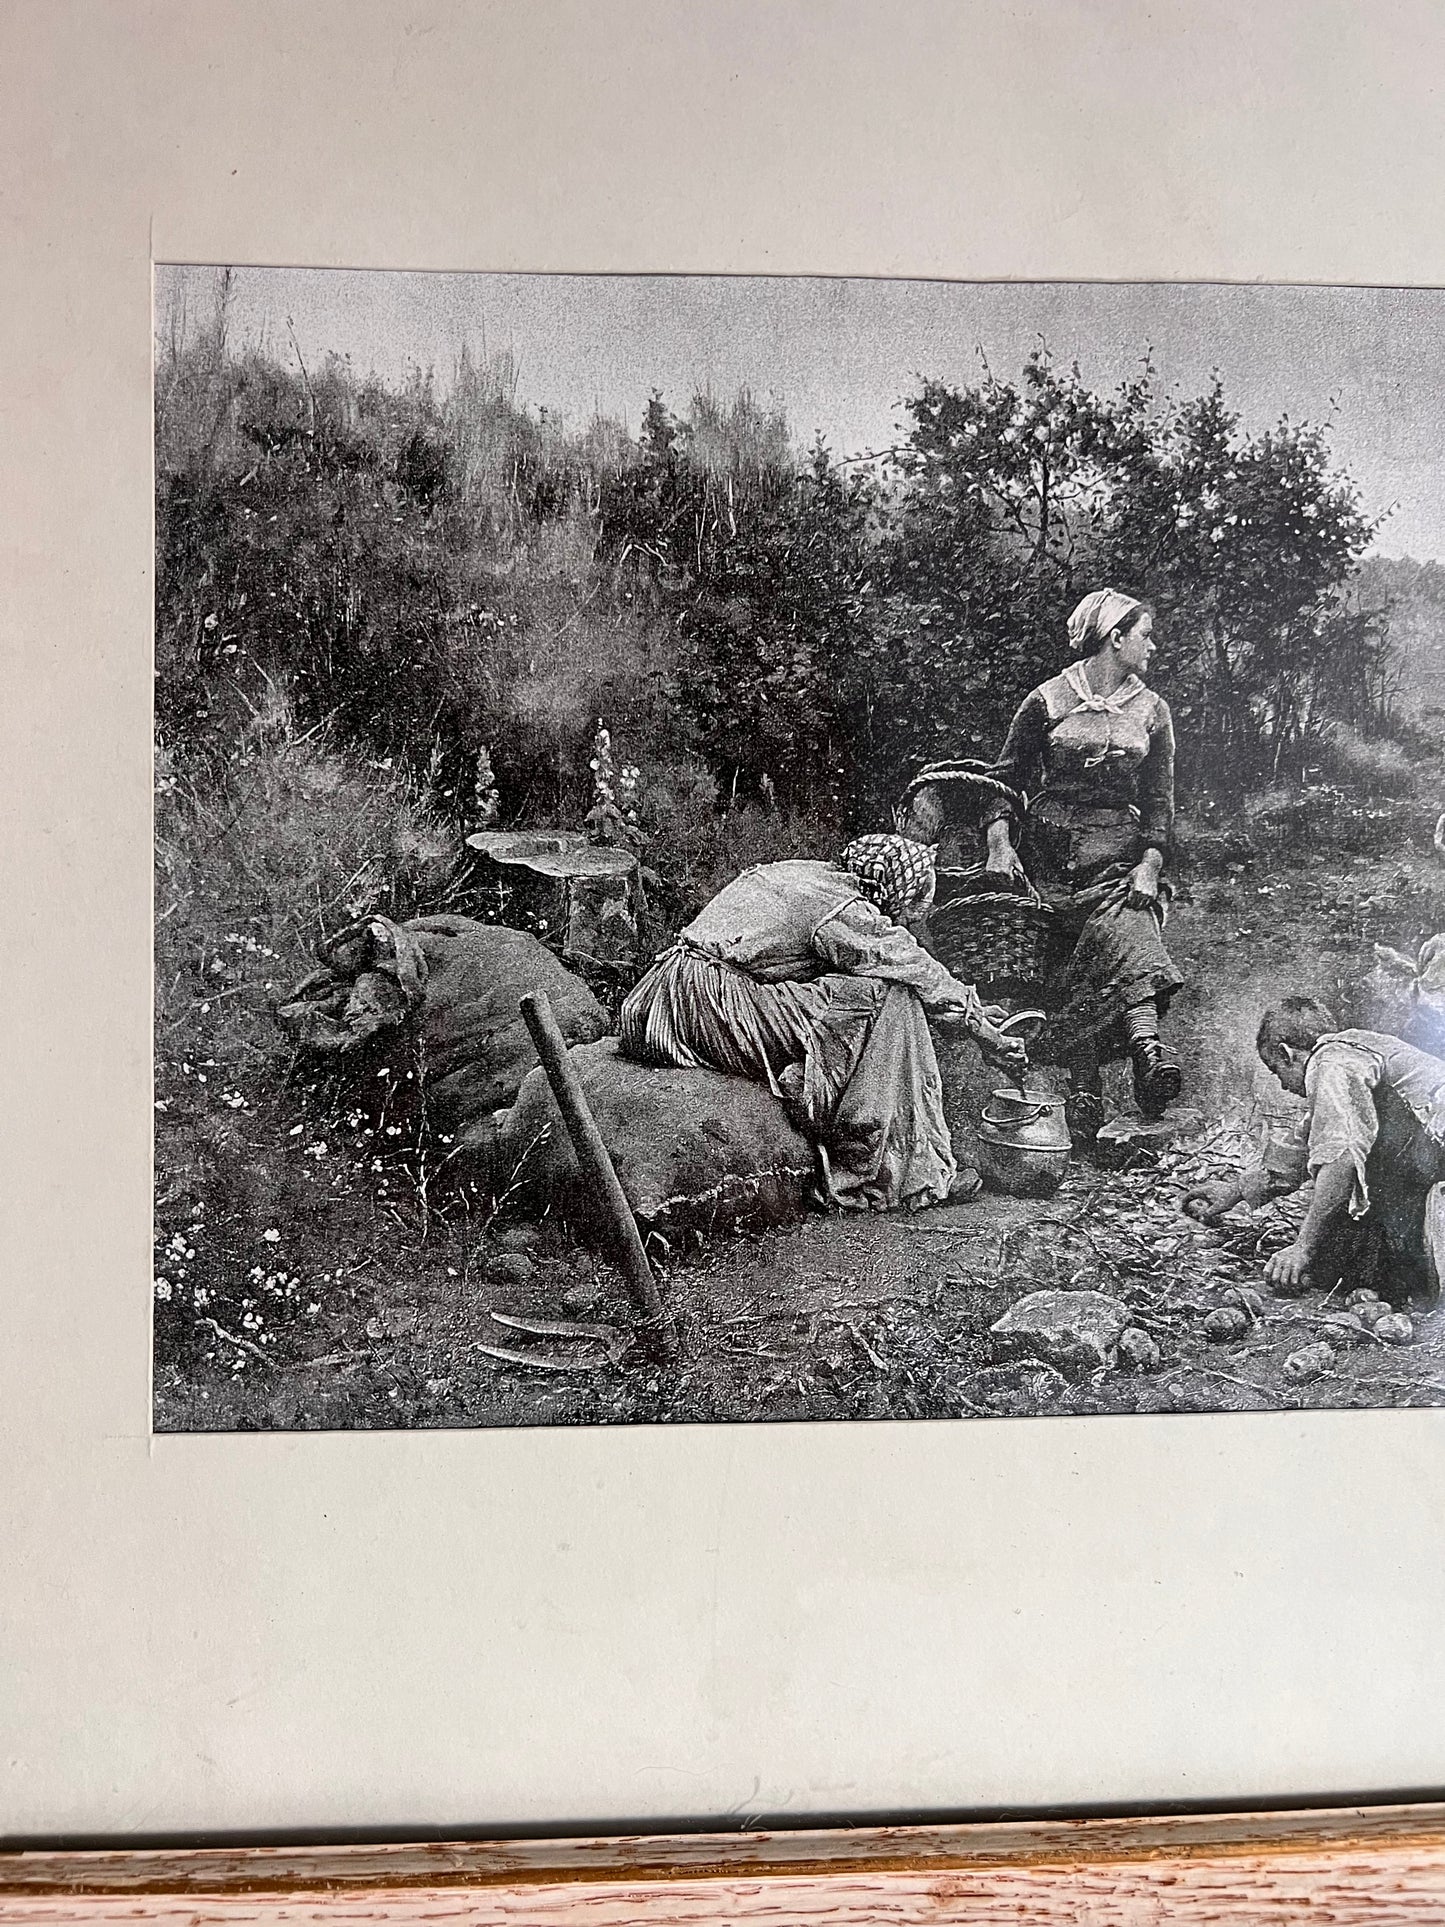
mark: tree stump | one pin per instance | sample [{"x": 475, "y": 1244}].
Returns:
[{"x": 588, "y": 894}]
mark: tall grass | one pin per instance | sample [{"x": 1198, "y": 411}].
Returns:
[
  {"x": 421, "y": 568},
  {"x": 258, "y": 858}
]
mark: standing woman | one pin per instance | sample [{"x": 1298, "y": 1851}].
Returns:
[{"x": 1090, "y": 754}]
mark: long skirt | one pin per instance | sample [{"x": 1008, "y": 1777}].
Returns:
[
  {"x": 851, "y": 1057},
  {"x": 1080, "y": 859}
]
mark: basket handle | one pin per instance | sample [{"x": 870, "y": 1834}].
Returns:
[{"x": 1028, "y": 890}]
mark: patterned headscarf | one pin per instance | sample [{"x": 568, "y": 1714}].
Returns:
[
  {"x": 893, "y": 872},
  {"x": 1097, "y": 617}
]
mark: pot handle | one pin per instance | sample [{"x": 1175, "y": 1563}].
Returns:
[{"x": 1019, "y": 1118}]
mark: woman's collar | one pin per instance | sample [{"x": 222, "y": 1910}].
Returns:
[{"x": 1077, "y": 678}]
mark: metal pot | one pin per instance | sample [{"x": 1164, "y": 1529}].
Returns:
[{"x": 1024, "y": 1136}]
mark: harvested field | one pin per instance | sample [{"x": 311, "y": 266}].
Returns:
[{"x": 885, "y": 1317}]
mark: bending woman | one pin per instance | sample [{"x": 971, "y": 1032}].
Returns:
[
  {"x": 801, "y": 976},
  {"x": 1093, "y": 748}
]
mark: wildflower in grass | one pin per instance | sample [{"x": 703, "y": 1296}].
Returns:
[
  {"x": 272, "y": 1236},
  {"x": 629, "y": 792},
  {"x": 163, "y": 1289},
  {"x": 486, "y": 797}
]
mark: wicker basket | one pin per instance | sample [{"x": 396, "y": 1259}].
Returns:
[
  {"x": 992, "y": 936},
  {"x": 962, "y": 790}
]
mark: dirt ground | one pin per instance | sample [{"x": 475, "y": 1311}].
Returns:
[
  {"x": 324, "y": 1295},
  {"x": 879, "y": 1318}
]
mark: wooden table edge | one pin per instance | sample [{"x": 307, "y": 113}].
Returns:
[{"x": 1350, "y": 1844}]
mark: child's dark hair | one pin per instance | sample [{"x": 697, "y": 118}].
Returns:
[{"x": 1296, "y": 1021}]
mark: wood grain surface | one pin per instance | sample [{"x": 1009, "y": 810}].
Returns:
[{"x": 1330, "y": 1866}]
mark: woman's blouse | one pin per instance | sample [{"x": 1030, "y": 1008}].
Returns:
[
  {"x": 787, "y": 922},
  {"x": 1069, "y": 745}
]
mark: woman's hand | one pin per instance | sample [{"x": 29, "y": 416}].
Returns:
[
  {"x": 1003, "y": 859},
  {"x": 1001, "y": 1049},
  {"x": 1144, "y": 881}
]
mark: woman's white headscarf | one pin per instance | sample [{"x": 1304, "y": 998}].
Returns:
[{"x": 1097, "y": 617}]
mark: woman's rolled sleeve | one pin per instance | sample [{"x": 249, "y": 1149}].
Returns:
[
  {"x": 1156, "y": 785},
  {"x": 859, "y": 940}
]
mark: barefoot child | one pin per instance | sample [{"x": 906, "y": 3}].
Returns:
[{"x": 1374, "y": 1143}]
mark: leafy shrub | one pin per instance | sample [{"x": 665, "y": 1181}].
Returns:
[
  {"x": 696, "y": 846},
  {"x": 762, "y": 565},
  {"x": 1015, "y": 498}
]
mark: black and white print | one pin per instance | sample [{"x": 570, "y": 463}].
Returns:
[{"x": 746, "y": 849}]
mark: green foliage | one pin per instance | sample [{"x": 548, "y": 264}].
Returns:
[{"x": 417, "y": 575}]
